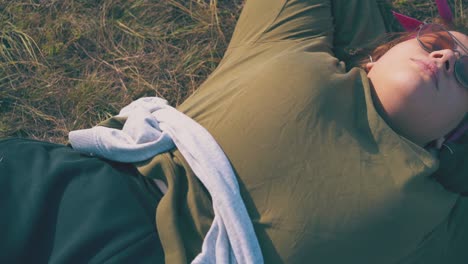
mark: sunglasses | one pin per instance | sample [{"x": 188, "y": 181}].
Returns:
[{"x": 434, "y": 37}]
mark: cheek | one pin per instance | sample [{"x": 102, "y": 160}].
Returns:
[
  {"x": 453, "y": 111},
  {"x": 458, "y": 98},
  {"x": 397, "y": 70},
  {"x": 464, "y": 99},
  {"x": 406, "y": 84},
  {"x": 405, "y": 80}
]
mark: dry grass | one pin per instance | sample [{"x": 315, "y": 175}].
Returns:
[{"x": 68, "y": 64}]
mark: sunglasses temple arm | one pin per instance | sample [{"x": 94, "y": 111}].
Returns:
[{"x": 460, "y": 44}]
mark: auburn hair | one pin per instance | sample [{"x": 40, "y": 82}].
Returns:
[{"x": 376, "y": 49}]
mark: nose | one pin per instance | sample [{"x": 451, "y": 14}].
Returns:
[{"x": 445, "y": 59}]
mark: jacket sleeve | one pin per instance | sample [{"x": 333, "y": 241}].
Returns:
[{"x": 340, "y": 23}]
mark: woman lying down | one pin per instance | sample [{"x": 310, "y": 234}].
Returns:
[{"x": 290, "y": 152}]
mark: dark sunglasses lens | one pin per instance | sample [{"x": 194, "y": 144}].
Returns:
[
  {"x": 434, "y": 37},
  {"x": 461, "y": 70}
]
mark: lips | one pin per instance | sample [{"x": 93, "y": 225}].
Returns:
[{"x": 429, "y": 68}]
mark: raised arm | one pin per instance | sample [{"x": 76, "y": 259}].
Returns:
[
  {"x": 357, "y": 22},
  {"x": 341, "y": 23}
]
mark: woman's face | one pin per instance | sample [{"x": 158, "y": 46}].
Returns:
[{"x": 418, "y": 90}]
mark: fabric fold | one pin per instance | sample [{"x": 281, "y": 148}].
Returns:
[{"x": 153, "y": 127}]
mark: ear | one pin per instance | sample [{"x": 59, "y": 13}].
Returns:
[{"x": 369, "y": 66}]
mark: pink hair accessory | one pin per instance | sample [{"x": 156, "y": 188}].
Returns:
[
  {"x": 444, "y": 10},
  {"x": 408, "y": 23},
  {"x": 411, "y": 24}
]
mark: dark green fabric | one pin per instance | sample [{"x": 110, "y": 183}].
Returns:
[
  {"x": 324, "y": 178},
  {"x": 58, "y": 206},
  {"x": 453, "y": 170}
]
